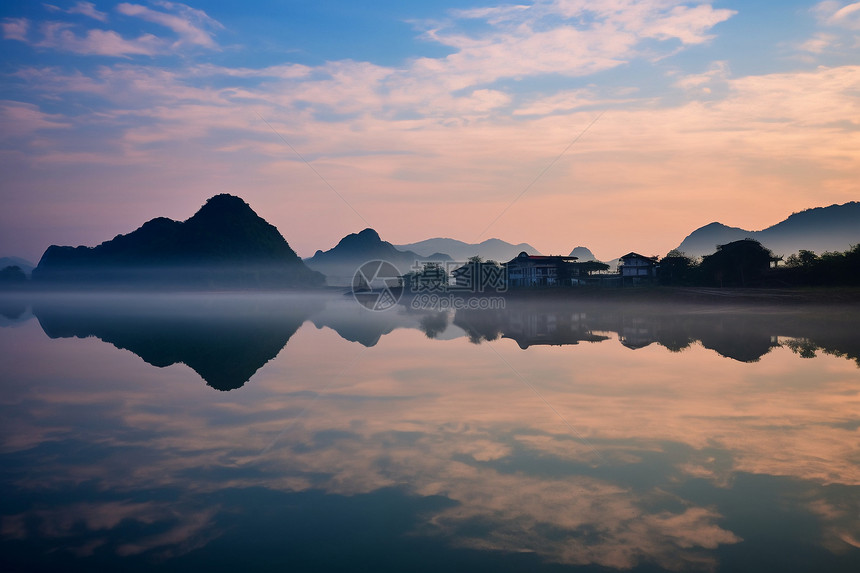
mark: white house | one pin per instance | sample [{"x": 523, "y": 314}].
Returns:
[
  {"x": 637, "y": 266},
  {"x": 538, "y": 270}
]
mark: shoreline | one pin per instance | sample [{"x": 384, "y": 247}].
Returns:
[
  {"x": 848, "y": 296},
  {"x": 843, "y": 296}
]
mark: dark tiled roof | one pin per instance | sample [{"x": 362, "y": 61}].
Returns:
[
  {"x": 542, "y": 259},
  {"x": 636, "y": 256}
]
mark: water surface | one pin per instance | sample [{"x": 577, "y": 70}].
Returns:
[{"x": 308, "y": 433}]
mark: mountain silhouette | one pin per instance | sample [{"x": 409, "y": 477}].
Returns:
[
  {"x": 339, "y": 263},
  {"x": 833, "y": 228},
  {"x": 225, "y": 244},
  {"x": 583, "y": 254},
  {"x": 224, "y": 341},
  {"x": 491, "y": 249}
]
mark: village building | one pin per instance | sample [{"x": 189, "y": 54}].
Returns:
[
  {"x": 540, "y": 270},
  {"x": 536, "y": 271},
  {"x": 635, "y": 268}
]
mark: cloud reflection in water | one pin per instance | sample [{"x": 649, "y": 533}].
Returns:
[{"x": 685, "y": 439}]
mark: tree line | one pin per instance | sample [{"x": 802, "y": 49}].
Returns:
[{"x": 748, "y": 263}]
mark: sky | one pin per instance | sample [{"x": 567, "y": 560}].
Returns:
[{"x": 619, "y": 125}]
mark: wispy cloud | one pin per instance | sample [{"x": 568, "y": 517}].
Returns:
[
  {"x": 15, "y": 28},
  {"x": 191, "y": 27},
  {"x": 704, "y": 82},
  {"x": 19, "y": 119},
  {"x": 188, "y": 23},
  {"x": 60, "y": 36},
  {"x": 88, "y": 9},
  {"x": 836, "y": 35},
  {"x": 838, "y": 14},
  {"x": 564, "y": 102},
  {"x": 819, "y": 43},
  {"x": 567, "y": 37}
]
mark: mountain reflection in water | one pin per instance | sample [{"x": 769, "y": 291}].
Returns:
[
  {"x": 224, "y": 339},
  {"x": 621, "y": 438},
  {"x": 227, "y": 339}
]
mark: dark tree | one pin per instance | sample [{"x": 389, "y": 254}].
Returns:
[
  {"x": 585, "y": 268},
  {"x": 434, "y": 324},
  {"x": 805, "y": 268},
  {"x": 803, "y": 258},
  {"x": 676, "y": 268},
  {"x": 12, "y": 275},
  {"x": 739, "y": 263}
]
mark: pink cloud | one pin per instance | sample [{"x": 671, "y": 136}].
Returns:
[
  {"x": 835, "y": 14},
  {"x": 57, "y": 35},
  {"x": 688, "y": 24},
  {"x": 19, "y": 119},
  {"x": 88, "y": 9},
  {"x": 430, "y": 136},
  {"x": 15, "y": 28},
  {"x": 837, "y": 35},
  {"x": 518, "y": 44},
  {"x": 188, "y": 24},
  {"x": 777, "y": 133}
]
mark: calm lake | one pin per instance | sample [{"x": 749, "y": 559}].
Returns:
[{"x": 307, "y": 433}]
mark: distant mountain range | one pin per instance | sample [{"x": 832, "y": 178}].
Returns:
[
  {"x": 833, "y": 228},
  {"x": 340, "y": 263},
  {"x": 491, "y": 249},
  {"x": 225, "y": 244}
]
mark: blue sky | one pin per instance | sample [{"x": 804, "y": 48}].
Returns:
[{"x": 615, "y": 124}]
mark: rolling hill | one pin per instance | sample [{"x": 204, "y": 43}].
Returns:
[
  {"x": 340, "y": 263},
  {"x": 833, "y": 228},
  {"x": 491, "y": 249}
]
